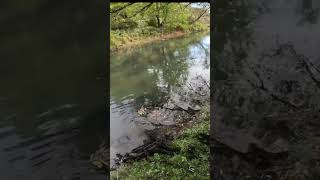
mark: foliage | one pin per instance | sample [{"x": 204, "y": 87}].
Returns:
[
  {"x": 192, "y": 161},
  {"x": 131, "y": 22}
]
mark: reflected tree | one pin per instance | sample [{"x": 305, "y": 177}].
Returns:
[
  {"x": 147, "y": 71},
  {"x": 266, "y": 89},
  {"x": 308, "y": 13}
]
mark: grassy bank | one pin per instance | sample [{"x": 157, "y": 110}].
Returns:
[
  {"x": 190, "y": 162},
  {"x": 123, "y": 39},
  {"x": 138, "y": 23}
]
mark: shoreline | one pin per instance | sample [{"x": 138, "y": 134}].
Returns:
[
  {"x": 172, "y": 144},
  {"x": 169, "y": 142},
  {"x": 144, "y": 41}
]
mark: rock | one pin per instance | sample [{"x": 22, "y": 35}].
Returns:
[
  {"x": 101, "y": 158},
  {"x": 142, "y": 111}
]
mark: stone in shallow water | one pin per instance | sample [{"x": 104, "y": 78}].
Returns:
[
  {"x": 169, "y": 105},
  {"x": 164, "y": 117}
]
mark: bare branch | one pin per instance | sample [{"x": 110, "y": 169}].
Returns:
[
  {"x": 188, "y": 5},
  {"x": 142, "y": 10},
  {"x": 200, "y": 15},
  {"x": 121, "y": 8}
]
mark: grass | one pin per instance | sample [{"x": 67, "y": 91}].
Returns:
[
  {"x": 191, "y": 161},
  {"x": 124, "y": 38}
]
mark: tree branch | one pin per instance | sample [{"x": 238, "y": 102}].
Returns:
[
  {"x": 142, "y": 10},
  {"x": 188, "y": 5},
  {"x": 200, "y": 15},
  {"x": 121, "y": 8}
]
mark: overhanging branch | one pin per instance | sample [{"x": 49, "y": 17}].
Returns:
[
  {"x": 142, "y": 10},
  {"x": 200, "y": 15},
  {"x": 121, "y": 8}
]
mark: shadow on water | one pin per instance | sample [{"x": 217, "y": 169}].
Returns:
[
  {"x": 150, "y": 76},
  {"x": 266, "y": 84},
  {"x": 52, "y": 105}
]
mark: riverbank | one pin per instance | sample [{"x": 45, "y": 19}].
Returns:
[
  {"x": 124, "y": 39},
  {"x": 163, "y": 131},
  {"x": 187, "y": 155},
  {"x": 135, "y": 24}
]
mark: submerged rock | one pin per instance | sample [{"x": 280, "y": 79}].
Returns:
[
  {"x": 162, "y": 117},
  {"x": 101, "y": 158}
]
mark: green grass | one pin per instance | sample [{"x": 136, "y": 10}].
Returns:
[
  {"x": 122, "y": 37},
  {"x": 191, "y": 162}
]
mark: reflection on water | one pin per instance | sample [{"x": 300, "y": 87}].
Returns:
[
  {"x": 266, "y": 76},
  {"x": 151, "y": 75},
  {"x": 52, "y": 108}
]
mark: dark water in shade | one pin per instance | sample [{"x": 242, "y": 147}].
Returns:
[
  {"x": 150, "y": 75},
  {"x": 52, "y": 101},
  {"x": 266, "y": 78}
]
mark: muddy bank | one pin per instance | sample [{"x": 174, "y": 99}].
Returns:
[
  {"x": 159, "y": 139},
  {"x": 159, "y": 133},
  {"x": 171, "y": 153},
  {"x": 161, "y": 124}
]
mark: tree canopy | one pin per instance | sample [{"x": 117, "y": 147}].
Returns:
[
  {"x": 132, "y": 21},
  {"x": 162, "y": 15}
]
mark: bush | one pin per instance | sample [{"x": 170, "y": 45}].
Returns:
[{"x": 125, "y": 24}]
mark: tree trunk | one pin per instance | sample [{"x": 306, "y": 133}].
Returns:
[{"x": 158, "y": 21}]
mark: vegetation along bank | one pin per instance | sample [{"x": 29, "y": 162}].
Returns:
[{"x": 134, "y": 24}]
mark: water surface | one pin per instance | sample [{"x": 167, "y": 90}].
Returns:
[
  {"x": 150, "y": 76},
  {"x": 267, "y": 85},
  {"x": 52, "y": 101}
]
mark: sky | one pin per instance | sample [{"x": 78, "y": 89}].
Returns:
[{"x": 199, "y": 5}]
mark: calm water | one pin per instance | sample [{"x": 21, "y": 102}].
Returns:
[
  {"x": 52, "y": 101},
  {"x": 50, "y": 121},
  {"x": 151, "y": 75},
  {"x": 267, "y": 86}
]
